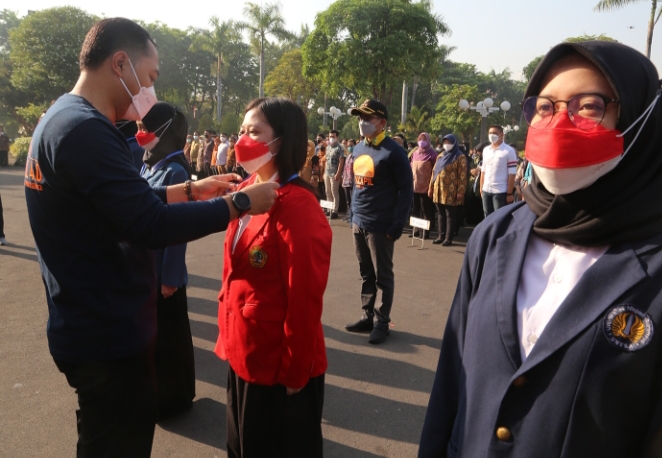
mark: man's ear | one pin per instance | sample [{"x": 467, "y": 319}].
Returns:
[{"x": 118, "y": 61}]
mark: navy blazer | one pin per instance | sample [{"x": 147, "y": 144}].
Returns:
[
  {"x": 170, "y": 261},
  {"x": 578, "y": 394}
]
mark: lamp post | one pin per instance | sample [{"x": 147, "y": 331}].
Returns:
[
  {"x": 485, "y": 108},
  {"x": 334, "y": 112}
]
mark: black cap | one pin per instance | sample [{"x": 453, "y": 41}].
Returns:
[{"x": 370, "y": 107}]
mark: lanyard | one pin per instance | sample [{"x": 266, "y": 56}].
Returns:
[
  {"x": 293, "y": 177},
  {"x": 159, "y": 164}
]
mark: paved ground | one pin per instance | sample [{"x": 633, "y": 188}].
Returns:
[{"x": 375, "y": 398}]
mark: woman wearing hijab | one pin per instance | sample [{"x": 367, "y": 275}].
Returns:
[
  {"x": 422, "y": 163},
  {"x": 270, "y": 307},
  {"x": 552, "y": 347},
  {"x": 447, "y": 187},
  {"x": 163, "y": 138}
]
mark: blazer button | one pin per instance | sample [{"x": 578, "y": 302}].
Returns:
[
  {"x": 519, "y": 381},
  {"x": 503, "y": 434}
]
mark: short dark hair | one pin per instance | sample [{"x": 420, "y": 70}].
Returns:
[
  {"x": 334, "y": 131},
  {"x": 288, "y": 122},
  {"x": 223, "y": 133},
  {"x": 495, "y": 126},
  {"x": 108, "y": 36}
]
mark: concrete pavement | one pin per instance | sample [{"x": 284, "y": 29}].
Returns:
[{"x": 375, "y": 398}]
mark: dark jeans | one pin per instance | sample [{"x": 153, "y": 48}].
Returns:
[
  {"x": 2, "y": 220},
  {"x": 4, "y": 158},
  {"x": 493, "y": 202},
  {"x": 117, "y": 401},
  {"x": 423, "y": 208},
  {"x": 348, "y": 199},
  {"x": 375, "y": 254},
  {"x": 263, "y": 421},
  {"x": 446, "y": 217}
]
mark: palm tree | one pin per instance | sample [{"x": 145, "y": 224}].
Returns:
[
  {"x": 217, "y": 41},
  {"x": 607, "y": 5},
  {"x": 417, "y": 121},
  {"x": 262, "y": 21}
]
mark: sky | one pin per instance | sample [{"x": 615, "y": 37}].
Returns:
[{"x": 491, "y": 34}]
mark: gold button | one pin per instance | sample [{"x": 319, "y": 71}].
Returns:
[
  {"x": 503, "y": 434},
  {"x": 519, "y": 381}
]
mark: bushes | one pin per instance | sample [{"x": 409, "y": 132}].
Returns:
[{"x": 19, "y": 149}]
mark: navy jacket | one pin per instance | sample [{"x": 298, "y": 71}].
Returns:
[
  {"x": 170, "y": 261},
  {"x": 578, "y": 394}
]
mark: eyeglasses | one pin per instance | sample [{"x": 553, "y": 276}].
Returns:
[{"x": 584, "y": 110}]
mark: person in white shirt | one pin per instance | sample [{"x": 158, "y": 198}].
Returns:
[
  {"x": 222, "y": 154},
  {"x": 497, "y": 179}
]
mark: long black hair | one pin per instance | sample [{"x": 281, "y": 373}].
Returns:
[{"x": 288, "y": 122}]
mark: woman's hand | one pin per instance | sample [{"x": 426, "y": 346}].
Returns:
[
  {"x": 214, "y": 186},
  {"x": 460, "y": 197},
  {"x": 430, "y": 192},
  {"x": 167, "y": 291},
  {"x": 291, "y": 391}
]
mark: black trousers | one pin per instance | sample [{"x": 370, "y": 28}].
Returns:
[
  {"x": 175, "y": 364},
  {"x": 264, "y": 422},
  {"x": 375, "y": 254},
  {"x": 117, "y": 401},
  {"x": 4, "y": 158},
  {"x": 423, "y": 208},
  {"x": 446, "y": 221},
  {"x": 2, "y": 220}
]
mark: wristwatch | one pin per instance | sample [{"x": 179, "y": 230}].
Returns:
[{"x": 241, "y": 202}]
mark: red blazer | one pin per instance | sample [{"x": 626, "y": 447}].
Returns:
[{"x": 270, "y": 304}]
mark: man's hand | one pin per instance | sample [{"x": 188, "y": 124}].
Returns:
[
  {"x": 291, "y": 391},
  {"x": 430, "y": 192},
  {"x": 263, "y": 196},
  {"x": 214, "y": 186},
  {"x": 509, "y": 198},
  {"x": 337, "y": 177},
  {"x": 167, "y": 291},
  {"x": 460, "y": 197}
]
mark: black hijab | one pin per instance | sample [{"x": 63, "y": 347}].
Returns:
[
  {"x": 172, "y": 137},
  {"x": 624, "y": 205}
]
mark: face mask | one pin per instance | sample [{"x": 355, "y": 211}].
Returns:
[
  {"x": 438, "y": 148},
  {"x": 148, "y": 140},
  {"x": 493, "y": 138},
  {"x": 350, "y": 149},
  {"x": 251, "y": 154},
  {"x": 195, "y": 137},
  {"x": 188, "y": 140},
  {"x": 367, "y": 128},
  {"x": 142, "y": 102},
  {"x": 567, "y": 158},
  {"x": 448, "y": 147},
  {"x": 224, "y": 139},
  {"x": 332, "y": 141},
  {"x": 423, "y": 144}
]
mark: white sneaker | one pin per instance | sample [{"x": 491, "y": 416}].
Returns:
[{"x": 3, "y": 241}]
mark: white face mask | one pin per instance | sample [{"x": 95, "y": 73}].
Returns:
[
  {"x": 448, "y": 147},
  {"x": 332, "y": 141},
  {"x": 493, "y": 138},
  {"x": 224, "y": 139},
  {"x": 366, "y": 127},
  {"x": 565, "y": 181},
  {"x": 142, "y": 102}
]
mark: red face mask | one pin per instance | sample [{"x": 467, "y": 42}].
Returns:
[
  {"x": 144, "y": 138},
  {"x": 246, "y": 149},
  {"x": 562, "y": 145}
]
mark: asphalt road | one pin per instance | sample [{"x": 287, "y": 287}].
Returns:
[{"x": 375, "y": 398}]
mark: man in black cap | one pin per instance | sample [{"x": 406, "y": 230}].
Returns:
[{"x": 381, "y": 202}]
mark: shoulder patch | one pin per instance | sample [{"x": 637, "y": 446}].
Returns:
[{"x": 628, "y": 328}]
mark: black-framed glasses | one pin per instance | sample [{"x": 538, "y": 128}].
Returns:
[{"x": 584, "y": 110}]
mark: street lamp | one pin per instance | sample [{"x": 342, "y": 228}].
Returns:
[
  {"x": 485, "y": 108},
  {"x": 334, "y": 112}
]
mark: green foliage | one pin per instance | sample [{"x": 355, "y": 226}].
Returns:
[
  {"x": 450, "y": 119},
  {"x": 417, "y": 121},
  {"x": 350, "y": 129},
  {"x": 370, "y": 46},
  {"x": 19, "y": 149},
  {"x": 287, "y": 80},
  {"x": 44, "y": 51}
]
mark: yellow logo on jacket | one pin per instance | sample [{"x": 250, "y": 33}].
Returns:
[
  {"x": 628, "y": 328},
  {"x": 257, "y": 257},
  {"x": 364, "y": 171}
]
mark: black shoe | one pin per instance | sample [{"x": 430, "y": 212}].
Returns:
[
  {"x": 437, "y": 241},
  {"x": 363, "y": 325},
  {"x": 378, "y": 335},
  {"x": 446, "y": 243},
  {"x": 334, "y": 215}
]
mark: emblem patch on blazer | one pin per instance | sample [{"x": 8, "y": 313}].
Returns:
[
  {"x": 257, "y": 257},
  {"x": 628, "y": 328}
]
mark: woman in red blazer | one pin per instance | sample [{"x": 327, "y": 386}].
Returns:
[{"x": 270, "y": 306}]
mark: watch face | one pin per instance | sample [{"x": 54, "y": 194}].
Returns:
[{"x": 242, "y": 201}]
